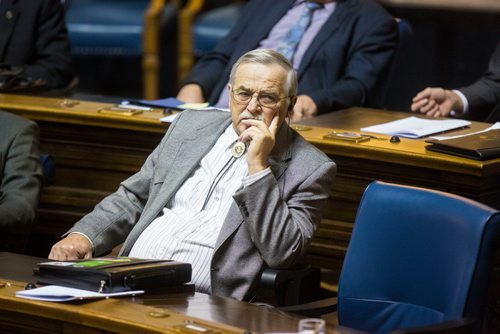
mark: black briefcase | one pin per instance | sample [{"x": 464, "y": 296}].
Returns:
[{"x": 114, "y": 274}]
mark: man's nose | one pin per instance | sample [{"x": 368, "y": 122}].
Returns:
[{"x": 253, "y": 105}]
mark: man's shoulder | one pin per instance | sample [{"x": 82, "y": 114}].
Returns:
[
  {"x": 307, "y": 152},
  {"x": 13, "y": 122},
  {"x": 199, "y": 116}
]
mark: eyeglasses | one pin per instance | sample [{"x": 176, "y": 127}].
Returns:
[{"x": 266, "y": 100}]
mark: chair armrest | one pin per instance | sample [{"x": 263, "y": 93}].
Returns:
[
  {"x": 284, "y": 283},
  {"x": 272, "y": 278},
  {"x": 313, "y": 309},
  {"x": 459, "y": 326}
]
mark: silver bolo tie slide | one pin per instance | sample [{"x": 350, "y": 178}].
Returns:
[{"x": 238, "y": 149}]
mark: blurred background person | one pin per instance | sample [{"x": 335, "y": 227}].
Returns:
[
  {"x": 339, "y": 49},
  {"x": 20, "y": 180},
  {"x": 34, "y": 46}
]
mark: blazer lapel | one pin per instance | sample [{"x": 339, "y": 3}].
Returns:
[
  {"x": 8, "y": 17},
  {"x": 278, "y": 160},
  {"x": 341, "y": 12}
]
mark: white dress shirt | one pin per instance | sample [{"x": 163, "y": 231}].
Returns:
[{"x": 186, "y": 231}]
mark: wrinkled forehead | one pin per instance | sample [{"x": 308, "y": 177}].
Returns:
[{"x": 260, "y": 77}]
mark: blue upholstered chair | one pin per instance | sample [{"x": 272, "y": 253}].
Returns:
[
  {"x": 213, "y": 25},
  {"x": 138, "y": 35},
  {"x": 416, "y": 257},
  {"x": 48, "y": 169}
]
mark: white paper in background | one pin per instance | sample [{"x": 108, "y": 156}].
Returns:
[
  {"x": 414, "y": 127},
  {"x": 169, "y": 118},
  {"x": 493, "y": 127},
  {"x": 55, "y": 293}
]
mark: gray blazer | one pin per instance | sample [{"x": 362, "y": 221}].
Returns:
[
  {"x": 20, "y": 180},
  {"x": 270, "y": 223},
  {"x": 484, "y": 94}
]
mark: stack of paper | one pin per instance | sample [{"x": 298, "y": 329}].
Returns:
[
  {"x": 55, "y": 293},
  {"x": 414, "y": 127}
]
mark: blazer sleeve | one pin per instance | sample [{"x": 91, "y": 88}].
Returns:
[
  {"x": 280, "y": 227},
  {"x": 109, "y": 224},
  {"x": 21, "y": 180},
  {"x": 484, "y": 94}
]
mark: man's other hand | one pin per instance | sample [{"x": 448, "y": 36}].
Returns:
[
  {"x": 191, "y": 93},
  {"x": 74, "y": 247},
  {"x": 437, "y": 102},
  {"x": 304, "y": 108}
]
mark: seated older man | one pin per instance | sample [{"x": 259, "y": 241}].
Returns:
[{"x": 230, "y": 193}]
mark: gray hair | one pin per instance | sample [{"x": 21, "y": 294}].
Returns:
[{"x": 268, "y": 57}]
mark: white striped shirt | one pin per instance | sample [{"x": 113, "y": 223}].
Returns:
[{"x": 187, "y": 233}]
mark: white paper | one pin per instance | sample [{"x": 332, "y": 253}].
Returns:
[
  {"x": 55, "y": 293},
  {"x": 414, "y": 127},
  {"x": 169, "y": 118},
  {"x": 493, "y": 127}
]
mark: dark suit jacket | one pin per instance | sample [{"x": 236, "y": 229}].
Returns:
[
  {"x": 484, "y": 94},
  {"x": 341, "y": 66},
  {"x": 33, "y": 33},
  {"x": 20, "y": 180}
]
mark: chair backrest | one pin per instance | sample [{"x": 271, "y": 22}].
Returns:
[
  {"x": 212, "y": 26},
  {"x": 395, "y": 86},
  {"x": 48, "y": 169},
  {"x": 416, "y": 257}
]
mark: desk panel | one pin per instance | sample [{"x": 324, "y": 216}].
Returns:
[{"x": 149, "y": 313}]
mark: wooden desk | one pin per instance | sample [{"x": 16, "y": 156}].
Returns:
[
  {"x": 407, "y": 162},
  {"x": 144, "y": 314},
  {"x": 94, "y": 152}
]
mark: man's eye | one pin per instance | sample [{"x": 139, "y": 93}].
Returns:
[
  {"x": 268, "y": 98},
  {"x": 244, "y": 95}
]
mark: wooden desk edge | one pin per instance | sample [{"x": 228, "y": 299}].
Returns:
[
  {"x": 80, "y": 112},
  {"x": 113, "y": 314},
  {"x": 414, "y": 151}
]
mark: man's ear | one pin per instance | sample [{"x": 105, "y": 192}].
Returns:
[{"x": 293, "y": 100}]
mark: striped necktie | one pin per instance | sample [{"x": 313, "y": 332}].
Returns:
[{"x": 288, "y": 45}]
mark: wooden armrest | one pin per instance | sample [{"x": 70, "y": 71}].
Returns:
[
  {"x": 151, "y": 49},
  {"x": 186, "y": 18}
]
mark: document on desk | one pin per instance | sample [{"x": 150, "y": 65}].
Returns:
[
  {"x": 55, "y": 293},
  {"x": 493, "y": 127},
  {"x": 415, "y": 127}
]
